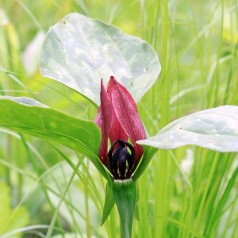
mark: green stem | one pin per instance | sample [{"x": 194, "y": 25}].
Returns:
[{"x": 124, "y": 192}]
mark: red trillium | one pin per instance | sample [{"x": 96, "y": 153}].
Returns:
[{"x": 119, "y": 122}]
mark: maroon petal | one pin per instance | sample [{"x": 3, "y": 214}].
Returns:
[
  {"x": 104, "y": 121},
  {"x": 127, "y": 114},
  {"x": 117, "y": 132}
]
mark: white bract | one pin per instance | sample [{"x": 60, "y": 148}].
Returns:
[
  {"x": 215, "y": 129},
  {"x": 79, "y": 51}
]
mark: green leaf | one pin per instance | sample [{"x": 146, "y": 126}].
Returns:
[
  {"x": 147, "y": 156},
  {"x": 79, "y": 51},
  {"x": 109, "y": 203},
  {"x": 25, "y": 115},
  {"x": 124, "y": 192},
  {"x": 215, "y": 129}
]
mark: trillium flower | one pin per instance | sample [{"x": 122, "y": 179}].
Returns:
[{"x": 120, "y": 124}]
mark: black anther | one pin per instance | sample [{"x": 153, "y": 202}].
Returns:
[{"x": 121, "y": 159}]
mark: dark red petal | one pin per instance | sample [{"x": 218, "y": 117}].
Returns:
[
  {"x": 98, "y": 119},
  {"x": 127, "y": 114},
  {"x": 104, "y": 121},
  {"x": 117, "y": 132}
]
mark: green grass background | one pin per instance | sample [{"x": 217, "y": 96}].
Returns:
[{"x": 186, "y": 193}]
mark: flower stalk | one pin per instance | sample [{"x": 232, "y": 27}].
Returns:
[{"x": 124, "y": 192}]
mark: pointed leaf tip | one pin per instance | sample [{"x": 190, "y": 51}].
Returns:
[{"x": 109, "y": 202}]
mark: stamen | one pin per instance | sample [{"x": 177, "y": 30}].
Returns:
[{"x": 121, "y": 159}]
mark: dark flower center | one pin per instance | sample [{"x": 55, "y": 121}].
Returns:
[{"x": 121, "y": 159}]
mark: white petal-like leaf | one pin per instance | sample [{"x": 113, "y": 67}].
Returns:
[
  {"x": 79, "y": 51},
  {"x": 215, "y": 129}
]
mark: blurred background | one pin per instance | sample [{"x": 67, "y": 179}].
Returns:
[{"x": 187, "y": 192}]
